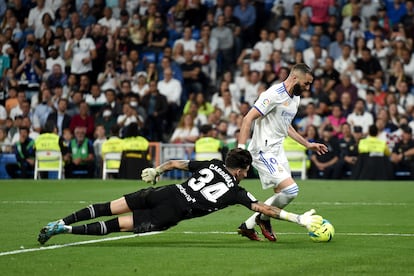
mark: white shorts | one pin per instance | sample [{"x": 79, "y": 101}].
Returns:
[{"x": 273, "y": 167}]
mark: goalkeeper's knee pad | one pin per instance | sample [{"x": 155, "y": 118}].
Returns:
[{"x": 286, "y": 196}]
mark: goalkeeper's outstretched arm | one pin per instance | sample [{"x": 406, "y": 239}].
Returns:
[
  {"x": 151, "y": 175},
  {"x": 173, "y": 164},
  {"x": 307, "y": 219}
]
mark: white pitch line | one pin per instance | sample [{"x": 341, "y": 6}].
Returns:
[
  {"x": 296, "y": 203},
  {"x": 74, "y": 244},
  {"x": 20, "y": 251}
]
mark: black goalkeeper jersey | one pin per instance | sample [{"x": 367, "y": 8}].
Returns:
[{"x": 210, "y": 188}]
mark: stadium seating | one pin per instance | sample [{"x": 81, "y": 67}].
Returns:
[
  {"x": 107, "y": 157},
  {"x": 48, "y": 161}
]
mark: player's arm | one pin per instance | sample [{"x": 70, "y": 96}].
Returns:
[
  {"x": 307, "y": 219},
  {"x": 151, "y": 175},
  {"x": 317, "y": 147},
  {"x": 246, "y": 126}
]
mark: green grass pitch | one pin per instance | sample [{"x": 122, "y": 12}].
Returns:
[{"x": 374, "y": 225}]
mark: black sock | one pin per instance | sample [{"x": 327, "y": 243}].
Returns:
[
  {"x": 90, "y": 212},
  {"x": 99, "y": 228}
]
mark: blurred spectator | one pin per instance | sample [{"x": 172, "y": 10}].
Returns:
[
  {"x": 402, "y": 155},
  {"x": 234, "y": 24},
  {"x": 186, "y": 131},
  {"x": 106, "y": 119},
  {"x": 5, "y": 142},
  {"x": 137, "y": 32},
  {"x": 199, "y": 118},
  {"x": 96, "y": 99},
  {"x": 320, "y": 10},
  {"x": 207, "y": 48},
  {"x": 157, "y": 36},
  {"x": 225, "y": 44},
  {"x": 62, "y": 17},
  {"x": 57, "y": 77},
  {"x": 342, "y": 62},
  {"x": 379, "y": 93},
  {"x": 246, "y": 13},
  {"x": 189, "y": 44},
  {"x": 83, "y": 120},
  {"x": 397, "y": 74},
  {"x": 346, "y": 86},
  {"x": 311, "y": 118},
  {"x": 359, "y": 117},
  {"x": 252, "y": 88},
  {"x": 346, "y": 104},
  {"x": 194, "y": 78},
  {"x": 315, "y": 56},
  {"x": 82, "y": 51},
  {"x": 141, "y": 86},
  {"x": 110, "y": 22},
  {"x": 284, "y": 44},
  {"x": 29, "y": 71},
  {"x": 405, "y": 98},
  {"x": 156, "y": 106},
  {"x": 81, "y": 163},
  {"x": 59, "y": 118},
  {"x": 34, "y": 20},
  {"x": 323, "y": 166},
  {"x": 108, "y": 78},
  {"x": 227, "y": 105},
  {"x": 123, "y": 44},
  {"x": 172, "y": 90},
  {"x": 195, "y": 14},
  {"x": 369, "y": 65},
  {"x": 330, "y": 75},
  {"x": 25, "y": 156},
  {"x": 45, "y": 106},
  {"x": 99, "y": 139},
  {"x": 129, "y": 115},
  {"x": 125, "y": 91},
  {"x": 112, "y": 103},
  {"x": 348, "y": 151},
  {"x": 334, "y": 121}
]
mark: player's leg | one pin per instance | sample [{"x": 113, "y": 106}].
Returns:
[
  {"x": 115, "y": 207},
  {"x": 274, "y": 173}
]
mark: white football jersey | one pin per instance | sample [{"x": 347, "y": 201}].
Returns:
[{"x": 278, "y": 110}]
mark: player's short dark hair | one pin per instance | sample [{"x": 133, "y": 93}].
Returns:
[
  {"x": 301, "y": 67},
  {"x": 238, "y": 158}
]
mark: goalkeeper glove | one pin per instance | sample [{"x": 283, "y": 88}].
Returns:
[
  {"x": 309, "y": 220},
  {"x": 150, "y": 175}
]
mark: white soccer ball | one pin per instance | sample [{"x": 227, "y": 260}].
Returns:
[{"x": 323, "y": 233}]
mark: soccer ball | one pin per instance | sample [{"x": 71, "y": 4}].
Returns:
[{"x": 323, "y": 233}]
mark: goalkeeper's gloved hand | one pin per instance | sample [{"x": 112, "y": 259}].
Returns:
[
  {"x": 150, "y": 175},
  {"x": 309, "y": 220}
]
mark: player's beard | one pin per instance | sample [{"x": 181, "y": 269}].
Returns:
[{"x": 297, "y": 90}]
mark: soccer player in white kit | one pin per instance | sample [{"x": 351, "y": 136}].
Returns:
[{"x": 272, "y": 115}]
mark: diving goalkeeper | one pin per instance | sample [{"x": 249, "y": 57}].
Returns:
[{"x": 214, "y": 185}]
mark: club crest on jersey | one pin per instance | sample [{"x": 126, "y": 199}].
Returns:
[{"x": 286, "y": 103}]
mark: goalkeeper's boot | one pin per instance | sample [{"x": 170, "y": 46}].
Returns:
[
  {"x": 51, "y": 229},
  {"x": 266, "y": 228},
  {"x": 249, "y": 233}
]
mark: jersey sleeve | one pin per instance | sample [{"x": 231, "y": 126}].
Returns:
[
  {"x": 194, "y": 166},
  {"x": 267, "y": 101},
  {"x": 245, "y": 198}
]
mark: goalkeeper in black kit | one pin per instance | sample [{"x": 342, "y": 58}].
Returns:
[{"x": 213, "y": 185}]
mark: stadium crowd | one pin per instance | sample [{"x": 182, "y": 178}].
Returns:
[{"x": 169, "y": 67}]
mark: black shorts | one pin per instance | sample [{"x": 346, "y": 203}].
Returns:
[{"x": 155, "y": 209}]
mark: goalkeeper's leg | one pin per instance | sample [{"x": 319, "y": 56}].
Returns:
[{"x": 115, "y": 207}]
